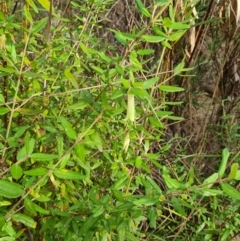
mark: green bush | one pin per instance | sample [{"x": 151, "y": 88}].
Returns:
[{"x": 84, "y": 155}]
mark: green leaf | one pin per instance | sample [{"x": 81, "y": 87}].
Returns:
[
  {"x": 64, "y": 160},
  {"x": 176, "y": 36},
  {"x": 16, "y": 171},
  {"x": 145, "y": 51},
  {"x": 9, "y": 70},
  {"x": 4, "y": 110},
  {"x": 223, "y": 164},
  {"x": 178, "y": 206},
  {"x": 159, "y": 32},
  {"x": 233, "y": 172},
  {"x": 71, "y": 133},
  {"x": 60, "y": 146},
  {"x": 98, "y": 211},
  {"x": 10, "y": 189},
  {"x": 29, "y": 207},
  {"x": 230, "y": 191},
  {"x": 152, "y": 216},
  {"x": 68, "y": 174},
  {"x": 170, "y": 88},
  {"x": 150, "y": 82},
  {"x": 43, "y": 156},
  {"x": 206, "y": 192},
  {"x": 27, "y": 14},
  {"x": 210, "y": 180},
  {"x": 80, "y": 151},
  {"x": 161, "y": 3},
  {"x": 77, "y": 106},
  {"x": 175, "y": 25},
  {"x": 237, "y": 175},
  {"x": 152, "y": 39},
  {"x": 175, "y": 118},
  {"x": 24, "y": 219},
  {"x": 97, "y": 69},
  {"x": 154, "y": 185},
  {"x": 166, "y": 44},
  {"x": 142, "y": 8},
  {"x": 40, "y": 209},
  {"x": 2, "y": 100},
  {"x": 45, "y": 4},
  {"x": 120, "y": 183},
  {"x": 117, "y": 93},
  {"x": 29, "y": 144},
  {"x": 179, "y": 68},
  {"x": 71, "y": 77},
  {"x": 32, "y": 4},
  {"x": 40, "y": 171},
  {"x": 39, "y": 25},
  {"x": 140, "y": 93}
]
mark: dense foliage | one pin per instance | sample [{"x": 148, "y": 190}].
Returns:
[{"x": 87, "y": 148}]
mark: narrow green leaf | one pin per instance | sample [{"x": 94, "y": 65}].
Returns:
[
  {"x": 40, "y": 171},
  {"x": 27, "y": 14},
  {"x": 173, "y": 183},
  {"x": 29, "y": 207},
  {"x": 145, "y": 51},
  {"x": 46, "y": 5},
  {"x": 24, "y": 219},
  {"x": 9, "y": 70},
  {"x": 152, "y": 39},
  {"x": 60, "y": 146},
  {"x": 10, "y": 189},
  {"x": 161, "y": 3},
  {"x": 77, "y": 106},
  {"x": 80, "y": 151},
  {"x": 142, "y": 9},
  {"x": 230, "y": 191},
  {"x": 39, "y": 25},
  {"x": 4, "y": 110},
  {"x": 68, "y": 174},
  {"x": 71, "y": 133},
  {"x": 29, "y": 146},
  {"x": 237, "y": 175},
  {"x": 64, "y": 160},
  {"x": 154, "y": 185},
  {"x": 118, "y": 93},
  {"x": 40, "y": 209},
  {"x": 170, "y": 88},
  {"x": 120, "y": 183},
  {"x": 16, "y": 171},
  {"x": 43, "y": 156},
  {"x": 2, "y": 99},
  {"x": 177, "y": 35},
  {"x": 223, "y": 164},
  {"x": 210, "y": 180},
  {"x": 140, "y": 93},
  {"x": 233, "y": 172},
  {"x": 98, "y": 211},
  {"x": 84, "y": 49},
  {"x": 175, "y": 25},
  {"x": 166, "y": 44},
  {"x": 121, "y": 234},
  {"x": 178, "y": 207},
  {"x": 152, "y": 216},
  {"x": 71, "y": 77},
  {"x": 150, "y": 82},
  {"x": 210, "y": 192},
  {"x": 179, "y": 68}
]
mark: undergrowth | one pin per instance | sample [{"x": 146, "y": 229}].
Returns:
[{"x": 88, "y": 151}]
